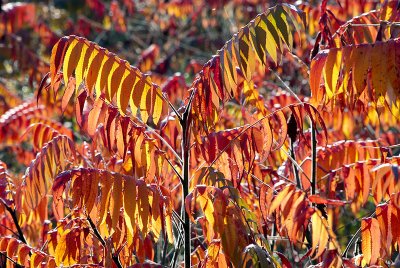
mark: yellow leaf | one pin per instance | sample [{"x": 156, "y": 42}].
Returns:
[
  {"x": 124, "y": 90},
  {"x": 273, "y": 34},
  {"x": 246, "y": 53},
  {"x": 144, "y": 105},
  {"x": 213, "y": 251},
  {"x": 259, "y": 39},
  {"x": 158, "y": 105},
  {"x": 136, "y": 95},
  {"x": 98, "y": 59},
  {"x": 66, "y": 251},
  {"x": 279, "y": 21},
  {"x": 83, "y": 66},
  {"x": 80, "y": 65},
  {"x": 346, "y": 67},
  {"x": 114, "y": 79},
  {"x": 105, "y": 70},
  {"x": 331, "y": 71},
  {"x": 72, "y": 56}
]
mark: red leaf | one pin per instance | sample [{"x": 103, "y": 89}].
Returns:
[
  {"x": 285, "y": 261},
  {"x": 321, "y": 200}
]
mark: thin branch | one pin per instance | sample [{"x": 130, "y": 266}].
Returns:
[
  {"x": 13, "y": 214},
  {"x": 11, "y": 260},
  {"x": 177, "y": 226},
  {"x": 170, "y": 105},
  {"x": 295, "y": 170},
  {"x": 314, "y": 160},
  {"x": 164, "y": 250},
  {"x": 96, "y": 232},
  {"x": 344, "y": 254},
  {"x": 44, "y": 245},
  {"x": 372, "y": 24},
  {"x": 176, "y": 186},
  {"x": 177, "y": 248},
  {"x": 189, "y": 105},
  {"x": 151, "y": 130},
  {"x": 296, "y": 164},
  {"x": 273, "y": 234},
  {"x": 174, "y": 169},
  {"x": 300, "y": 61},
  {"x": 266, "y": 184},
  {"x": 174, "y": 213},
  {"x": 287, "y": 87},
  {"x": 185, "y": 148},
  {"x": 352, "y": 222},
  {"x": 351, "y": 242},
  {"x": 389, "y": 147},
  {"x": 278, "y": 238},
  {"x": 103, "y": 242},
  {"x": 201, "y": 243},
  {"x": 9, "y": 229}
]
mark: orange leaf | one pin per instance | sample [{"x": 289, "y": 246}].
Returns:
[
  {"x": 287, "y": 192},
  {"x": 57, "y": 57},
  {"x": 93, "y": 117},
  {"x": 320, "y": 236},
  {"x": 117, "y": 198},
  {"x": 130, "y": 203},
  {"x": 370, "y": 240},
  {"x": 143, "y": 206},
  {"x": 317, "y": 199},
  {"x": 384, "y": 215},
  {"x": 266, "y": 195},
  {"x": 316, "y": 68}
]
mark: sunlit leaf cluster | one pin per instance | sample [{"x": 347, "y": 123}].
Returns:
[{"x": 200, "y": 134}]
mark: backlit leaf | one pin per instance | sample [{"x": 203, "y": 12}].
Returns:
[
  {"x": 370, "y": 240},
  {"x": 106, "y": 72}
]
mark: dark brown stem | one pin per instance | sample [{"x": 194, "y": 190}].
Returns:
[
  {"x": 185, "y": 123},
  {"x": 103, "y": 242},
  {"x": 11, "y": 260},
  {"x": 13, "y": 214},
  {"x": 185, "y": 186},
  {"x": 314, "y": 160},
  {"x": 96, "y": 232}
]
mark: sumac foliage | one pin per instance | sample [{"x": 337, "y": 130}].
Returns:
[{"x": 125, "y": 143}]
